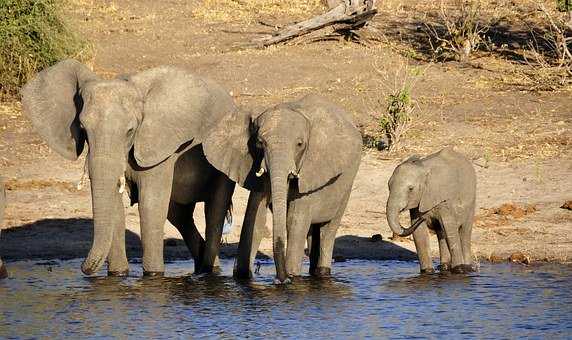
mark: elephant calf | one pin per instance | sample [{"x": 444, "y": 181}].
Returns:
[{"x": 439, "y": 192}]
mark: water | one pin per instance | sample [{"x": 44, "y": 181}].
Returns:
[{"x": 364, "y": 299}]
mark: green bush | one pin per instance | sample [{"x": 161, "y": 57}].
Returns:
[
  {"x": 564, "y": 5},
  {"x": 32, "y": 37}
]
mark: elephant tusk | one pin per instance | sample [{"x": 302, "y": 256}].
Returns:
[
  {"x": 260, "y": 172},
  {"x": 121, "y": 184}
]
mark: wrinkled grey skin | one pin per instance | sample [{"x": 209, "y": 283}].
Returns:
[
  {"x": 3, "y": 271},
  {"x": 306, "y": 154},
  {"x": 144, "y": 133},
  {"x": 439, "y": 191}
]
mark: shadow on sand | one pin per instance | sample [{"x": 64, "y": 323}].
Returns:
[
  {"x": 71, "y": 238},
  {"x": 357, "y": 247}
]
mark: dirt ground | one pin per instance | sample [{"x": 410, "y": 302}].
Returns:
[{"x": 520, "y": 141}]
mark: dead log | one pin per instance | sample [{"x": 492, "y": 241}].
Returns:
[{"x": 346, "y": 15}]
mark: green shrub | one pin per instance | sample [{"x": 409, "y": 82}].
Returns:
[
  {"x": 564, "y": 5},
  {"x": 32, "y": 37},
  {"x": 395, "y": 122}
]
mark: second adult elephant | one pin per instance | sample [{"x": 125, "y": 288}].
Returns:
[
  {"x": 305, "y": 154},
  {"x": 144, "y": 134}
]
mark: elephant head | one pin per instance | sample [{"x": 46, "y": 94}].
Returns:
[
  {"x": 414, "y": 185},
  {"x": 299, "y": 142},
  {"x": 149, "y": 114}
]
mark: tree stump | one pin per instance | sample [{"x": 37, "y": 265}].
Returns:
[{"x": 345, "y": 15}]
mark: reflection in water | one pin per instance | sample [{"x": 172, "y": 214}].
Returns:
[{"x": 365, "y": 298}]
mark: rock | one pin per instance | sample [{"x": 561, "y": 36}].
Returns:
[
  {"x": 567, "y": 205},
  {"x": 519, "y": 257},
  {"x": 511, "y": 209},
  {"x": 376, "y": 238},
  {"x": 496, "y": 259},
  {"x": 397, "y": 238}
]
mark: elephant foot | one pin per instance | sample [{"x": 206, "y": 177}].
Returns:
[
  {"x": 242, "y": 274},
  {"x": 462, "y": 269},
  {"x": 429, "y": 270},
  {"x": 321, "y": 272},
  {"x": 118, "y": 273},
  {"x": 3, "y": 272},
  {"x": 153, "y": 274},
  {"x": 444, "y": 267}
]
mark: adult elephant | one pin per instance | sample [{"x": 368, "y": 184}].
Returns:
[
  {"x": 144, "y": 133},
  {"x": 305, "y": 154},
  {"x": 440, "y": 193},
  {"x": 3, "y": 271}
]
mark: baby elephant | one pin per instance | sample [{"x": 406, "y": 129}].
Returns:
[{"x": 439, "y": 192}]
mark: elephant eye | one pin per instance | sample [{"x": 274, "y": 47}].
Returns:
[
  {"x": 300, "y": 143},
  {"x": 411, "y": 188}
]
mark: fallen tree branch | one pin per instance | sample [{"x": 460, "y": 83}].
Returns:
[{"x": 347, "y": 15}]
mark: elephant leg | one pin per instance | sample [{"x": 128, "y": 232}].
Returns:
[
  {"x": 422, "y": 244},
  {"x": 251, "y": 234},
  {"x": 117, "y": 264},
  {"x": 3, "y": 271},
  {"x": 465, "y": 234},
  {"x": 444, "y": 254},
  {"x": 327, "y": 239},
  {"x": 298, "y": 225},
  {"x": 181, "y": 216},
  {"x": 154, "y": 195},
  {"x": 313, "y": 241},
  {"x": 215, "y": 211},
  {"x": 423, "y": 247},
  {"x": 451, "y": 230}
]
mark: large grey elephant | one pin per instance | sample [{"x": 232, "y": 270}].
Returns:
[
  {"x": 305, "y": 155},
  {"x": 144, "y": 133},
  {"x": 3, "y": 271},
  {"x": 439, "y": 191}
]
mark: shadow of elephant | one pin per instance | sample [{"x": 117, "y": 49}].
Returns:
[
  {"x": 357, "y": 247},
  {"x": 70, "y": 238},
  {"x": 56, "y": 238}
]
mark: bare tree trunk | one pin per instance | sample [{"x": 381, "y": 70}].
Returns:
[{"x": 345, "y": 14}]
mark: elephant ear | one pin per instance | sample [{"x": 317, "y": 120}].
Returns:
[
  {"x": 438, "y": 187},
  {"x": 179, "y": 109},
  {"x": 52, "y": 102},
  {"x": 231, "y": 150},
  {"x": 334, "y": 143}
]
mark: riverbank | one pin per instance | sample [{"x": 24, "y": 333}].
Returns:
[{"x": 518, "y": 215}]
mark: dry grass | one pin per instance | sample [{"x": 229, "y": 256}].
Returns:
[{"x": 249, "y": 11}]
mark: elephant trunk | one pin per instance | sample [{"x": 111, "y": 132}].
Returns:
[
  {"x": 106, "y": 176},
  {"x": 393, "y": 209},
  {"x": 279, "y": 188}
]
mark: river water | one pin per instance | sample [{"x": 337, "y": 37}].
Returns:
[{"x": 363, "y": 299}]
